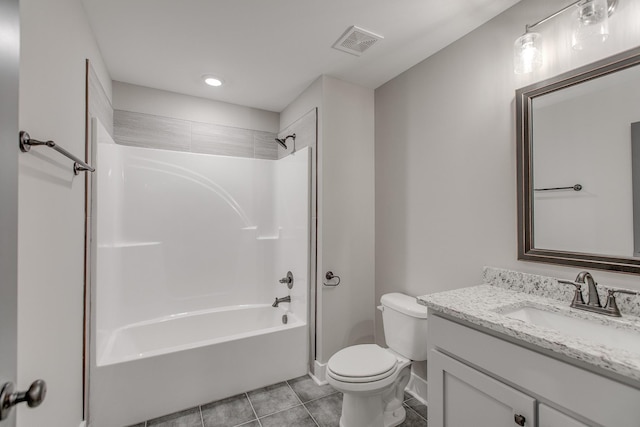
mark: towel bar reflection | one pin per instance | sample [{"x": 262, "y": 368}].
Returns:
[
  {"x": 576, "y": 187},
  {"x": 78, "y": 165}
]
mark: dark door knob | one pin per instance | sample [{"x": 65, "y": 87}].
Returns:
[
  {"x": 8, "y": 398},
  {"x": 519, "y": 419}
]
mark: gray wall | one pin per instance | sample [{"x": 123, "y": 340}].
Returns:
[
  {"x": 55, "y": 42},
  {"x": 446, "y": 156},
  {"x": 345, "y": 214}
]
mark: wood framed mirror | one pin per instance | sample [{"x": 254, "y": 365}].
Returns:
[{"x": 578, "y": 166}]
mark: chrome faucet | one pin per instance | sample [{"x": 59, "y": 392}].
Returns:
[
  {"x": 586, "y": 278},
  {"x": 279, "y": 300},
  {"x": 593, "y": 305}
]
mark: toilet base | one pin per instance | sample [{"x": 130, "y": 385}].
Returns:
[
  {"x": 362, "y": 411},
  {"x": 381, "y": 408},
  {"x": 388, "y": 419},
  {"x": 394, "y": 418}
]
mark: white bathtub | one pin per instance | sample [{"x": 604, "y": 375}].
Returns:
[
  {"x": 191, "y": 330},
  {"x": 155, "y": 368}
]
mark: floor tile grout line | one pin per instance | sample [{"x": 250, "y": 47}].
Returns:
[
  {"x": 281, "y": 410},
  {"x": 271, "y": 413},
  {"x": 253, "y": 409},
  {"x": 294, "y": 393},
  {"x": 303, "y": 405},
  {"x": 309, "y": 412},
  {"x": 322, "y": 397},
  {"x": 317, "y": 398},
  {"x": 415, "y": 412}
]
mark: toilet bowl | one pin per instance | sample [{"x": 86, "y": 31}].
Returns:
[{"x": 372, "y": 378}]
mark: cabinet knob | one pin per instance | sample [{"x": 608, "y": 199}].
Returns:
[{"x": 519, "y": 419}]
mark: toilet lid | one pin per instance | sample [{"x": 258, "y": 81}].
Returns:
[{"x": 362, "y": 362}]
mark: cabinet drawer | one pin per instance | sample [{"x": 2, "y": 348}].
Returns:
[{"x": 549, "y": 417}]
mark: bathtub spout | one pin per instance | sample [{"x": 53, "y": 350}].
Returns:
[{"x": 279, "y": 300}]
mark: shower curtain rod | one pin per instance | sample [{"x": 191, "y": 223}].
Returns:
[{"x": 78, "y": 166}]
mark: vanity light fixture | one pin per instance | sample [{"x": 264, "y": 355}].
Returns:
[
  {"x": 590, "y": 24},
  {"x": 527, "y": 53},
  {"x": 212, "y": 81}
]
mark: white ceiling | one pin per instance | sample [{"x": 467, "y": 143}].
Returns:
[{"x": 269, "y": 51}]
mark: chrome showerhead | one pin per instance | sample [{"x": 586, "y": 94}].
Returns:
[{"x": 283, "y": 141}]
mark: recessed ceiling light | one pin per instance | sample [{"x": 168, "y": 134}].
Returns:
[{"x": 212, "y": 81}]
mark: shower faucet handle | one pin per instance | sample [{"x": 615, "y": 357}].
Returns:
[{"x": 288, "y": 280}]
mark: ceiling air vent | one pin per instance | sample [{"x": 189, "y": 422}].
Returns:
[{"x": 356, "y": 40}]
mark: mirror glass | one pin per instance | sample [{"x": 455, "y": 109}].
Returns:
[{"x": 579, "y": 155}]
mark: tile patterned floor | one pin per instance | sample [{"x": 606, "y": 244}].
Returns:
[{"x": 299, "y": 402}]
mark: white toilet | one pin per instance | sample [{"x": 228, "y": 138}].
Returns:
[{"x": 373, "y": 378}]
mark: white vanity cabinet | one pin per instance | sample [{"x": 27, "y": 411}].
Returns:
[
  {"x": 549, "y": 417},
  {"x": 470, "y": 398},
  {"x": 477, "y": 379}
]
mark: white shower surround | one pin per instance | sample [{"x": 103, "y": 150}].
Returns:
[{"x": 186, "y": 245}]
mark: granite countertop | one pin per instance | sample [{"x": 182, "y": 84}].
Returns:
[{"x": 484, "y": 305}]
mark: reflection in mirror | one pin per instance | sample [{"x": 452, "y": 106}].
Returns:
[
  {"x": 575, "y": 170},
  {"x": 583, "y": 136}
]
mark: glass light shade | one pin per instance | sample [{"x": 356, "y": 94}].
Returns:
[
  {"x": 591, "y": 23},
  {"x": 527, "y": 53}
]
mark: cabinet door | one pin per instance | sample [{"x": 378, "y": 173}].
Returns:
[
  {"x": 549, "y": 417},
  {"x": 462, "y": 396}
]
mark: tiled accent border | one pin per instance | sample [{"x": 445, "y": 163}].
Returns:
[
  {"x": 165, "y": 133},
  {"x": 99, "y": 103}
]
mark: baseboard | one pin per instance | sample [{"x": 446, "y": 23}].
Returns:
[
  {"x": 319, "y": 374},
  {"x": 83, "y": 423},
  {"x": 417, "y": 388}
]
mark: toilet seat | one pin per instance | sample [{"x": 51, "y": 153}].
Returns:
[{"x": 362, "y": 363}]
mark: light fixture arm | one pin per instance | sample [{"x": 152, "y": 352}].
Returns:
[
  {"x": 592, "y": 25},
  {"x": 611, "y": 7}
]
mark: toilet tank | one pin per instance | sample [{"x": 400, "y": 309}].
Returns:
[{"x": 405, "y": 325}]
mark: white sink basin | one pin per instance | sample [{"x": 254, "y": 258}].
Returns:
[{"x": 589, "y": 330}]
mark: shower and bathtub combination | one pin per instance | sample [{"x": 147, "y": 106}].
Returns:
[{"x": 190, "y": 251}]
